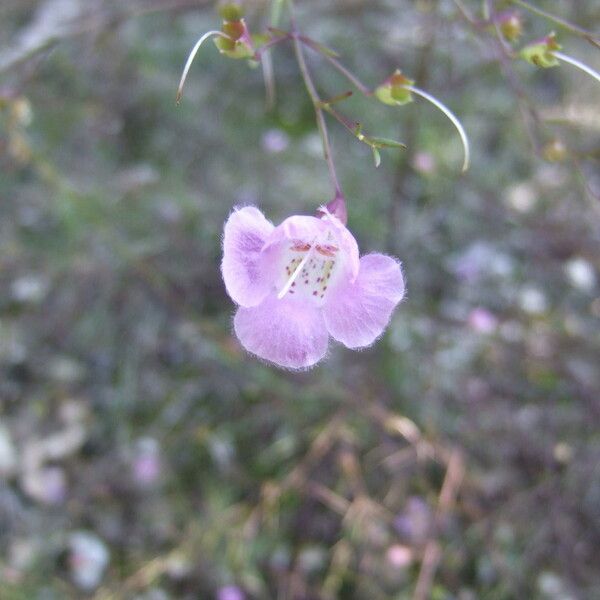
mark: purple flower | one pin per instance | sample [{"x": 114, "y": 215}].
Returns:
[
  {"x": 482, "y": 320},
  {"x": 275, "y": 141},
  {"x": 300, "y": 282},
  {"x": 415, "y": 521},
  {"x": 230, "y": 592}
]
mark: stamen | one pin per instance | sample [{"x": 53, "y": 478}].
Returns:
[{"x": 295, "y": 274}]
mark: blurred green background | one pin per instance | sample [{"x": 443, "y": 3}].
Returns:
[{"x": 144, "y": 455}]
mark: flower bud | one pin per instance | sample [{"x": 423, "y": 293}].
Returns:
[
  {"x": 337, "y": 208},
  {"x": 541, "y": 52},
  {"x": 554, "y": 151},
  {"x": 393, "y": 90},
  {"x": 231, "y": 12},
  {"x": 510, "y": 23},
  {"x": 238, "y": 43}
]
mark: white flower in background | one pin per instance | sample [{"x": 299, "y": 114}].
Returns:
[
  {"x": 88, "y": 559},
  {"x": 146, "y": 465},
  {"x": 275, "y": 141},
  {"x": 533, "y": 301},
  {"x": 8, "y": 456},
  {"x": 29, "y": 289},
  {"x": 581, "y": 274},
  {"x": 522, "y": 197}
]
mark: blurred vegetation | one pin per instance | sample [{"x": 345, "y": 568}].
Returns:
[{"x": 144, "y": 455}]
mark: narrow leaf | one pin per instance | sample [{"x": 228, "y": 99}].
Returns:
[{"x": 376, "y": 156}]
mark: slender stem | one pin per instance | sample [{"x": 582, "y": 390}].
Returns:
[
  {"x": 485, "y": 9},
  {"x": 452, "y": 117},
  {"x": 276, "y": 7},
  {"x": 465, "y": 13},
  {"x": 191, "y": 57},
  {"x": 527, "y": 108},
  {"x": 576, "y": 63},
  {"x": 269, "y": 79},
  {"x": 503, "y": 44},
  {"x": 272, "y": 42},
  {"x": 317, "y": 103},
  {"x": 266, "y": 61},
  {"x": 590, "y": 36},
  {"x": 344, "y": 121},
  {"x": 360, "y": 86}
]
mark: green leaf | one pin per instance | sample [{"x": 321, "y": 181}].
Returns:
[
  {"x": 376, "y": 156},
  {"x": 382, "y": 142}
]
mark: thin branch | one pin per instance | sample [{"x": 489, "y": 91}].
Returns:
[
  {"x": 317, "y": 103},
  {"x": 590, "y": 36},
  {"x": 504, "y": 45},
  {"x": 432, "y": 555},
  {"x": 462, "y": 9},
  {"x": 44, "y": 33},
  {"x": 339, "y": 66}
]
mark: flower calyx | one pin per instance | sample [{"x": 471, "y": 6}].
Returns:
[
  {"x": 336, "y": 208},
  {"x": 510, "y": 23},
  {"x": 237, "y": 42},
  {"x": 393, "y": 91},
  {"x": 541, "y": 52}
]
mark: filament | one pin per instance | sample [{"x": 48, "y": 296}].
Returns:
[{"x": 294, "y": 275}]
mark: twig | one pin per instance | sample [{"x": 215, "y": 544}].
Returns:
[
  {"x": 462, "y": 9},
  {"x": 506, "y": 48},
  {"x": 338, "y": 65},
  {"x": 433, "y": 553},
  {"x": 317, "y": 102},
  {"x": 590, "y": 36},
  {"x": 44, "y": 33},
  {"x": 528, "y": 111}
]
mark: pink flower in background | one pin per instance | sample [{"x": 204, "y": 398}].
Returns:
[
  {"x": 300, "y": 282},
  {"x": 482, "y": 320},
  {"x": 230, "y": 592}
]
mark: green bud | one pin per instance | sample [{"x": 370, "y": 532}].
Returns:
[
  {"x": 238, "y": 43},
  {"x": 541, "y": 53},
  {"x": 555, "y": 151},
  {"x": 231, "y": 12},
  {"x": 234, "y": 49},
  {"x": 511, "y": 25},
  {"x": 393, "y": 90}
]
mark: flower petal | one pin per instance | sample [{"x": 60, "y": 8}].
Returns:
[
  {"x": 297, "y": 227},
  {"x": 347, "y": 243},
  {"x": 357, "y": 313},
  {"x": 287, "y": 332},
  {"x": 312, "y": 229},
  {"x": 246, "y": 232}
]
